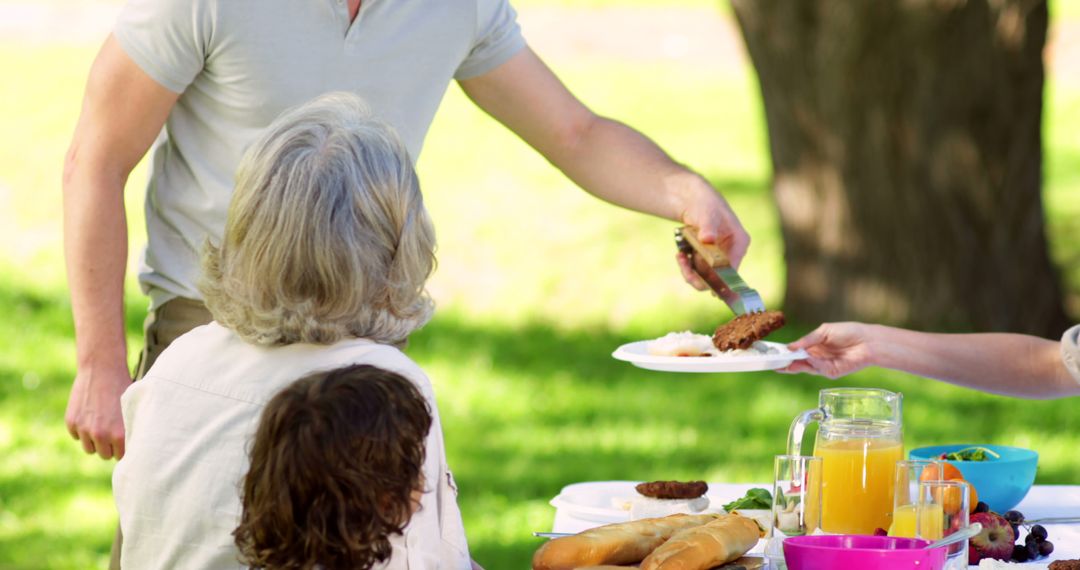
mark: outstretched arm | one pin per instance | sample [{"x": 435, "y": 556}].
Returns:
[
  {"x": 123, "y": 110},
  {"x": 1009, "y": 364},
  {"x": 608, "y": 159}
]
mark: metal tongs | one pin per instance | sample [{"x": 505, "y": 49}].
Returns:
[{"x": 713, "y": 266}]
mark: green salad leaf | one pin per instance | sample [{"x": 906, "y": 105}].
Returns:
[
  {"x": 971, "y": 454},
  {"x": 755, "y": 498}
]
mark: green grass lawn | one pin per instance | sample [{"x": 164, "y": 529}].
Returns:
[{"x": 537, "y": 284}]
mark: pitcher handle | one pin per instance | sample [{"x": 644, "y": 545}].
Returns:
[{"x": 798, "y": 428}]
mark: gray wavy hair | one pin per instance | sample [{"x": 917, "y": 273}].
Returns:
[{"x": 327, "y": 236}]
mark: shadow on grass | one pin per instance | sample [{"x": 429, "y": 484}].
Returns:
[{"x": 526, "y": 408}]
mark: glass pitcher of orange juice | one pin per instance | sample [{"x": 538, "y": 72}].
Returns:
[{"x": 859, "y": 439}]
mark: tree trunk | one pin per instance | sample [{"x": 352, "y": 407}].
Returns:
[{"x": 906, "y": 142}]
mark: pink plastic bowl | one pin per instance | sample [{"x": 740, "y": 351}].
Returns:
[{"x": 841, "y": 552}]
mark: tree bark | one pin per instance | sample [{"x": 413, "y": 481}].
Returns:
[{"x": 906, "y": 142}]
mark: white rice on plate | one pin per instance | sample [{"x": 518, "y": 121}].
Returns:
[
  {"x": 683, "y": 343},
  {"x": 689, "y": 344}
]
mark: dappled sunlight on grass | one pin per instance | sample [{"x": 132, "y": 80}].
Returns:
[
  {"x": 537, "y": 284},
  {"x": 56, "y": 508}
]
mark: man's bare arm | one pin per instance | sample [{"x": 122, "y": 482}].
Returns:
[
  {"x": 123, "y": 111},
  {"x": 606, "y": 158}
]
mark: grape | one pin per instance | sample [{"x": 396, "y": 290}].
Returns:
[
  {"x": 1032, "y": 549},
  {"x": 1039, "y": 532},
  {"x": 982, "y": 507},
  {"x": 1031, "y": 539},
  {"x": 1046, "y": 548},
  {"x": 1016, "y": 530},
  {"x": 1020, "y": 553},
  {"x": 1013, "y": 516}
]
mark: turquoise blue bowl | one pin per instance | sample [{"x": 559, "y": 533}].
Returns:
[{"x": 1001, "y": 483}]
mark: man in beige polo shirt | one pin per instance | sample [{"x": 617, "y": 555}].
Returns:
[{"x": 196, "y": 80}]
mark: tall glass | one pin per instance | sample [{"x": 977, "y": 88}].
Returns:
[
  {"x": 943, "y": 508},
  {"x": 860, "y": 439},
  {"x": 796, "y": 503},
  {"x": 909, "y": 473},
  {"x": 796, "y": 494},
  {"x": 905, "y": 510}
]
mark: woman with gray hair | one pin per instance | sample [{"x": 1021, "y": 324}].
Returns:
[
  {"x": 326, "y": 250},
  {"x": 327, "y": 203}
]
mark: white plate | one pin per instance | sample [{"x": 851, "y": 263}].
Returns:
[
  {"x": 595, "y": 500},
  {"x": 587, "y": 505},
  {"x": 637, "y": 353}
]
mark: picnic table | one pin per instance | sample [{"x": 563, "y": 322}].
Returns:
[{"x": 1043, "y": 501}]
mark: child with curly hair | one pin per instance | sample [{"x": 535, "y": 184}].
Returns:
[{"x": 344, "y": 446}]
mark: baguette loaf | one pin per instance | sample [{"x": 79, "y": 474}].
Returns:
[
  {"x": 706, "y": 546},
  {"x": 622, "y": 543}
]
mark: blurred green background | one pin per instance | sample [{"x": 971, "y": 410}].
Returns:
[{"x": 537, "y": 284}]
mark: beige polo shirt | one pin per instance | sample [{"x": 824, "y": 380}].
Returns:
[
  {"x": 239, "y": 63},
  {"x": 189, "y": 425}
]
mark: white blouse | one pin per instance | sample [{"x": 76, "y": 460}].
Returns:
[{"x": 189, "y": 426}]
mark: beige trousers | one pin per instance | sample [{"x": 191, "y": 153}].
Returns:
[{"x": 163, "y": 325}]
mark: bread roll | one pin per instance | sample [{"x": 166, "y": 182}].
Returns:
[
  {"x": 706, "y": 546},
  {"x": 622, "y": 543}
]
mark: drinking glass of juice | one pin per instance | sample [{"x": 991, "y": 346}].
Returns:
[
  {"x": 909, "y": 473},
  {"x": 941, "y": 509},
  {"x": 859, "y": 439}
]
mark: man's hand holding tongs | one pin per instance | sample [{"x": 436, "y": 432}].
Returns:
[{"x": 716, "y": 224}]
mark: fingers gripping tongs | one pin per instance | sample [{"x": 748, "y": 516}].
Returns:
[{"x": 713, "y": 266}]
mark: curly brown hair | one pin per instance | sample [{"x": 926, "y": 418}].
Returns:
[{"x": 335, "y": 462}]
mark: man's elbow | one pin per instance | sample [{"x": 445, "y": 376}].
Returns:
[
  {"x": 71, "y": 161},
  {"x": 89, "y": 168},
  {"x": 572, "y": 136}
]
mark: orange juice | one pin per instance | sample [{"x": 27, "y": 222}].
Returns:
[
  {"x": 857, "y": 483},
  {"x": 903, "y": 521},
  {"x": 931, "y": 518}
]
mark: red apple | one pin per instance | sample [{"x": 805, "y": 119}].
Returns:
[{"x": 995, "y": 541}]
